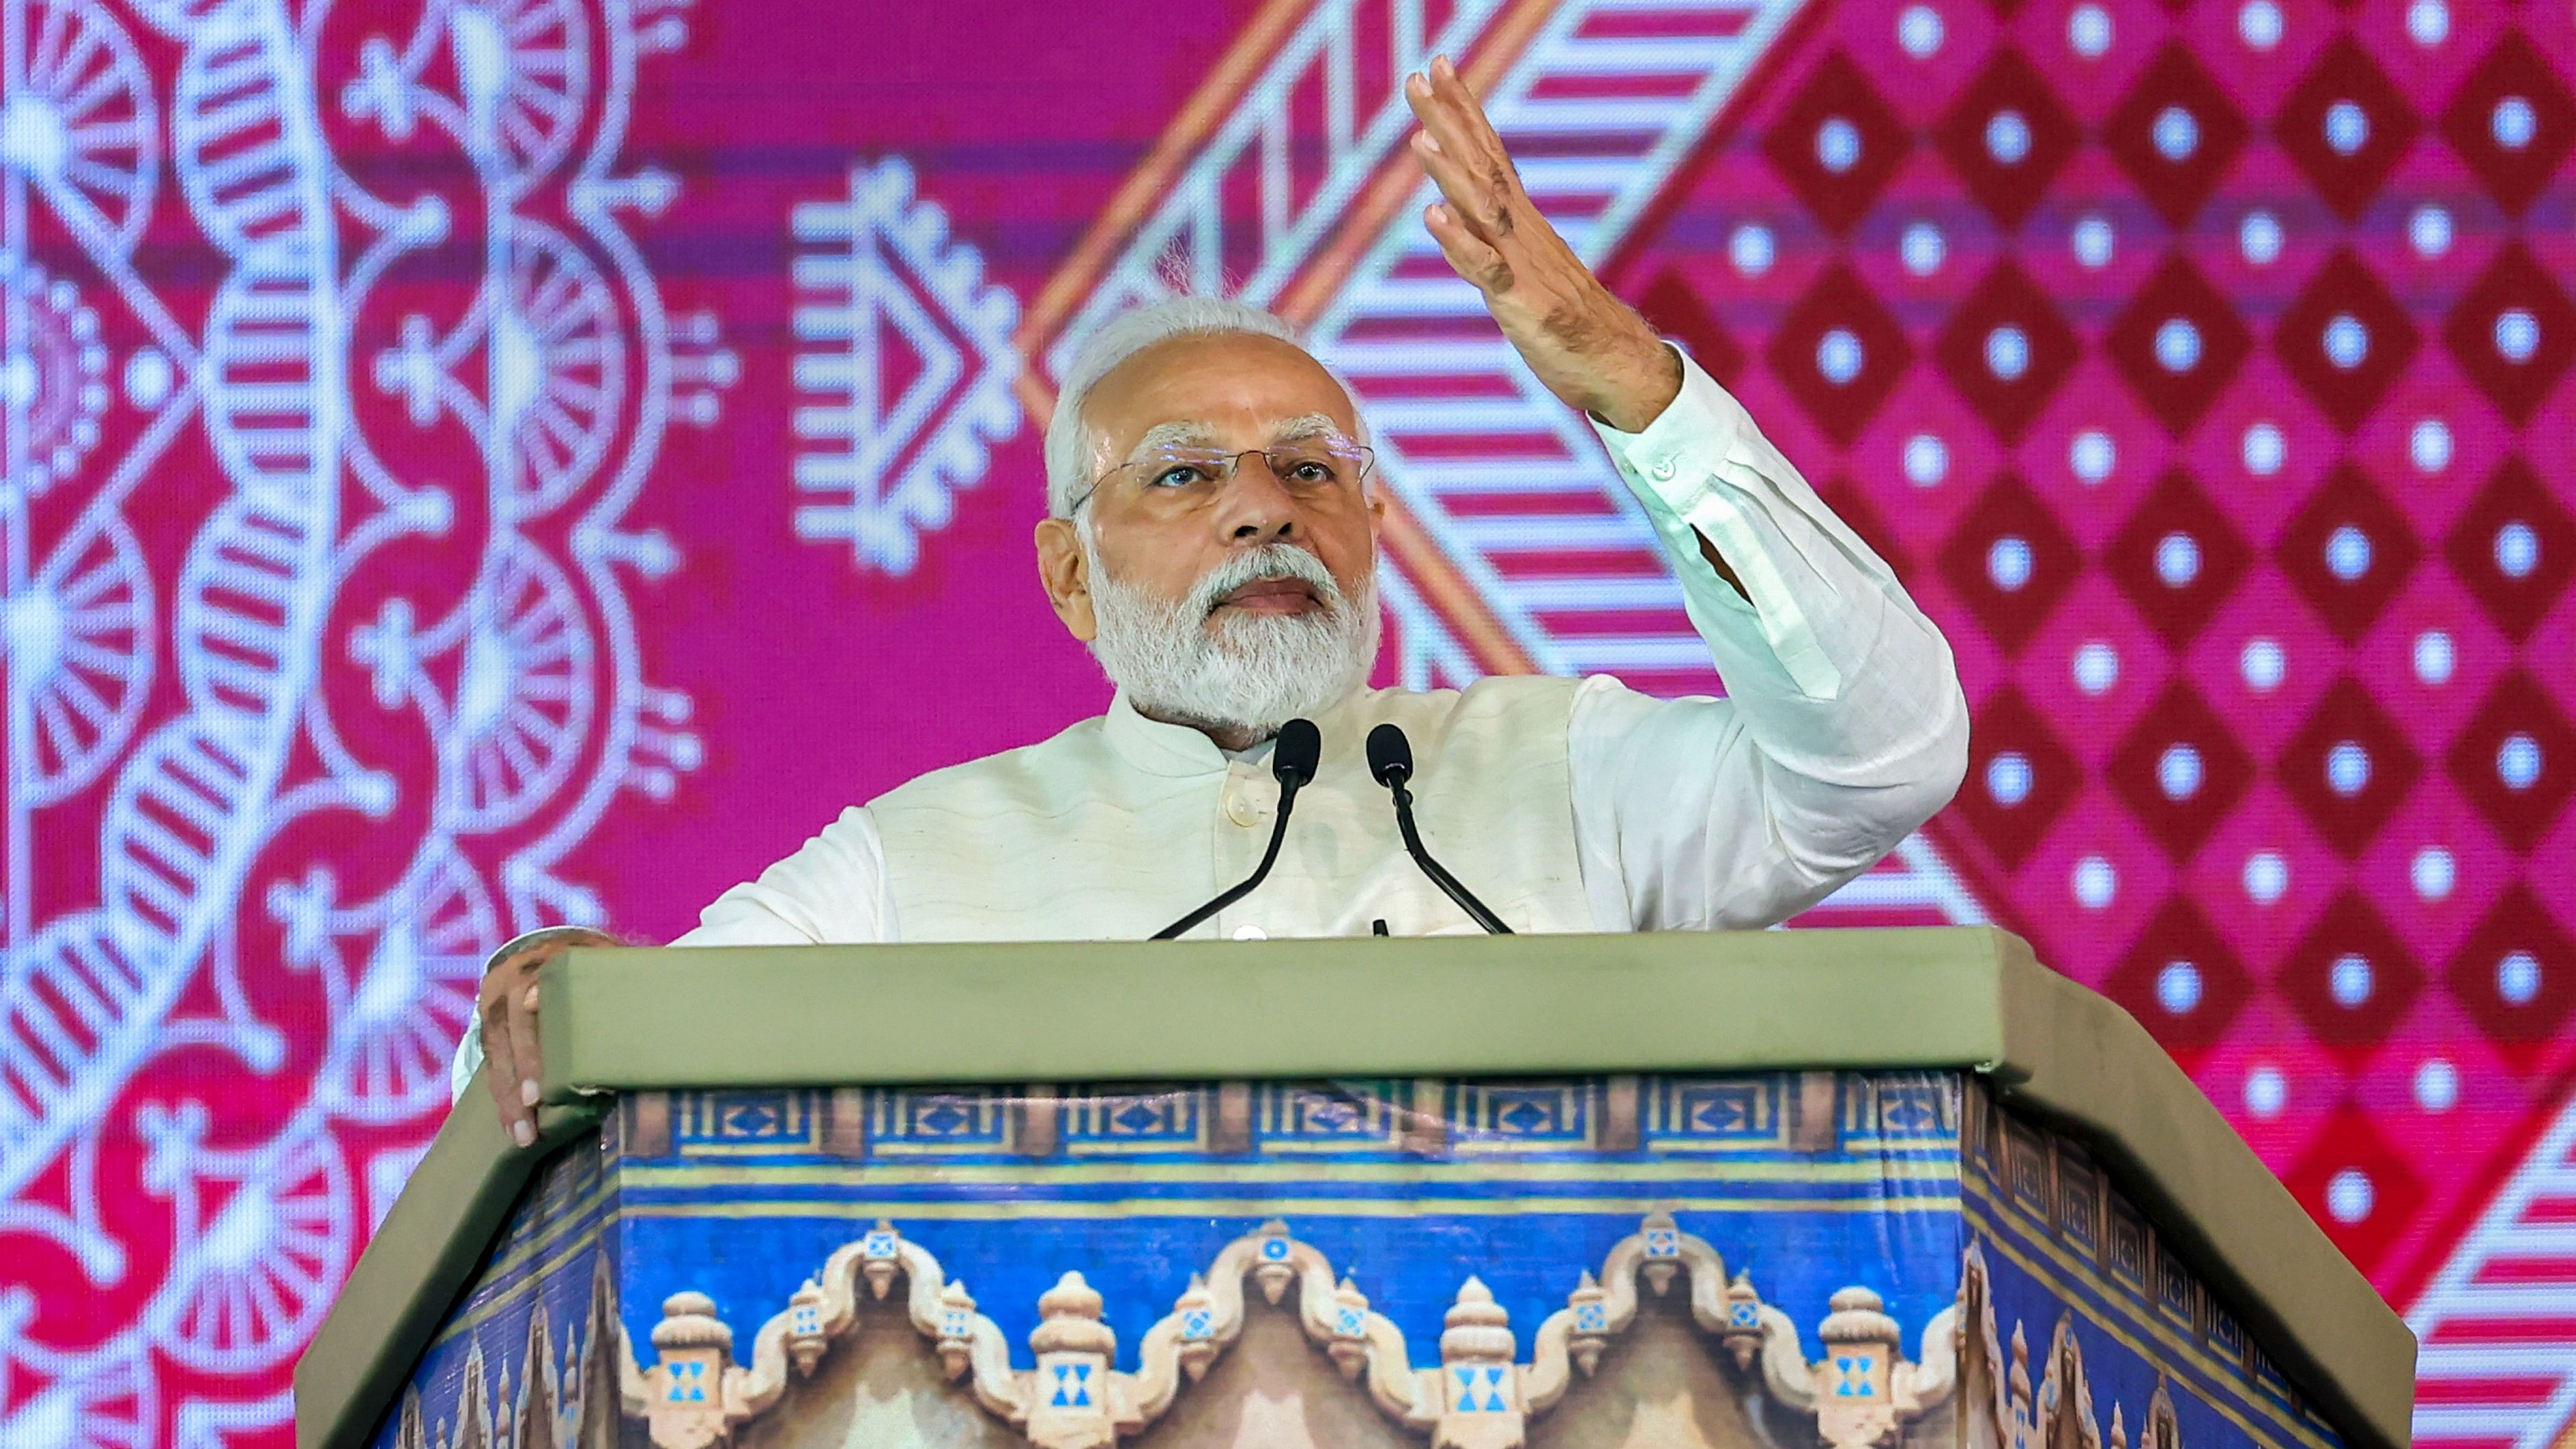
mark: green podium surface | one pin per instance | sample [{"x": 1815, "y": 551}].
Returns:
[{"x": 1897, "y": 1130}]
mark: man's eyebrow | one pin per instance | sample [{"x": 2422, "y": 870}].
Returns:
[
  {"x": 1175, "y": 435},
  {"x": 1312, "y": 425}
]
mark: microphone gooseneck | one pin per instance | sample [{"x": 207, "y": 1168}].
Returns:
[
  {"x": 1390, "y": 759},
  {"x": 1293, "y": 758}
]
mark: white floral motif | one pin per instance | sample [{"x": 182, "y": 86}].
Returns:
[
  {"x": 310, "y": 386},
  {"x": 877, "y": 272}
]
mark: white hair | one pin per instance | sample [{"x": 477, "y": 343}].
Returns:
[
  {"x": 1253, "y": 674},
  {"x": 1071, "y": 446}
]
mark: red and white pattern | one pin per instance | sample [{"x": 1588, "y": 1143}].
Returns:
[
  {"x": 2498, "y": 1323},
  {"x": 329, "y": 381}
]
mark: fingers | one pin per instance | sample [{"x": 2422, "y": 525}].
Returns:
[
  {"x": 500, "y": 1059},
  {"x": 1478, "y": 128},
  {"x": 1463, "y": 155},
  {"x": 523, "y": 1044},
  {"x": 1440, "y": 125},
  {"x": 513, "y": 1060},
  {"x": 1450, "y": 113},
  {"x": 1470, "y": 197},
  {"x": 1470, "y": 255}
]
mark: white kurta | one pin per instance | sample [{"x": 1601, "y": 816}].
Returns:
[{"x": 1567, "y": 805}]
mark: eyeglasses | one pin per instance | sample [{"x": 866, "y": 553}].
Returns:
[{"x": 1190, "y": 478}]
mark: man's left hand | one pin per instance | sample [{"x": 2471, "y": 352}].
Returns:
[{"x": 1591, "y": 349}]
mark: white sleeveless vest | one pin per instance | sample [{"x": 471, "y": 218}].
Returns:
[{"x": 1120, "y": 825}]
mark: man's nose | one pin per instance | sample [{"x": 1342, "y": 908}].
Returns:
[{"x": 1256, "y": 507}]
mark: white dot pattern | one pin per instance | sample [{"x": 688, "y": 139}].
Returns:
[
  {"x": 2178, "y": 987},
  {"x": 2259, "y": 24},
  {"x": 2265, "y": 450},
  {"x": 2433, "y": 657},
  {"x": 2092, "y": 455},
  {"x": 2008, "y": 562},
  {"x": 1919, "y": 30},
  {"x": 2008, "y": 138},
  {"x": 1751, "y": 249},
  {"x": 2267, "y": 877},
  {"x": 2259, "y": 237},
  {"x": 2263, "y": 664},
  {"x": 2096, "y": 883},
  {"x": 1837, "y": 144},
  {"x": 1839, "y": 356},
  {"x": 2267, "y": 1091},
  {"x": 2096, "y": 667},
  {"x": 2093, "y": 241},
  {"x": 2088, "y": 31},
  {"x": 2437, "y": 1085},
  {"x": 2433, "y": 872}
]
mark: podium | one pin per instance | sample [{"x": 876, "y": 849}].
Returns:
[{"x": 1857, "y": 1189}]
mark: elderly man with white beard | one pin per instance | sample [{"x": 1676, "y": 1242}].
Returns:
[{"x": 1212, "y": 535}]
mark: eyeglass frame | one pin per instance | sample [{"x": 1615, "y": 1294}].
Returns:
[{"x": 1234, "y": 464}]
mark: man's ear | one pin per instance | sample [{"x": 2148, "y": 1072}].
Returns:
[{"x": 1065, "y": 571}]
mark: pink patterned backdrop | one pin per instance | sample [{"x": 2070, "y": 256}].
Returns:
[{"x": 475, "y": 465}]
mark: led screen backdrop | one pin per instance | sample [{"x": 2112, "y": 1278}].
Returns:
[{"x": 475, "y": 465}]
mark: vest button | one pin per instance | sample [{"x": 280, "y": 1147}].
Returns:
[
  {"x": 1240, "y": 809},
  {"x": 1250, "y": 933}
]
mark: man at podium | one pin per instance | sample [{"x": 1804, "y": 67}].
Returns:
[{"x": 1212, "y": 536}]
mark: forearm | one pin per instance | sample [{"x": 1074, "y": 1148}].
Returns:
[
  {"x": 1684, "y": 822},
  {"x": 1838, "y": 676}
]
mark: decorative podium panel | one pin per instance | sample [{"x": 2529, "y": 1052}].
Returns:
[
  {"x": 1857, "y": 1258},
  {"x": 1782, "y": 1260}
]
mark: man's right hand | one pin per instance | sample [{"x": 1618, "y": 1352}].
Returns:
[{"x": 507, "y": 1009}]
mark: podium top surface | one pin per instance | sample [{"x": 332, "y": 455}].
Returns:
[{"x": 1971, "y": 999}]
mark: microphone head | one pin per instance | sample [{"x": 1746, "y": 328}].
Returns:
[
  {"x": 1390, "y": 755},
  {"x": 1296, "y": 752}
]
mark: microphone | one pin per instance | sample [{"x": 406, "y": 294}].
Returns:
[
  {"x": 1390, "y": 759},
  {"x": 1293, "y": 757}
]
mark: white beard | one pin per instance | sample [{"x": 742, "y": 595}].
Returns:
[{"x": 1253, "y": 672}]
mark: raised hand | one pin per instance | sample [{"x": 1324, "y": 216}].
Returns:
[
  {"x": 1590, "y": 349},
  {"x": 506, "y": 1008}
]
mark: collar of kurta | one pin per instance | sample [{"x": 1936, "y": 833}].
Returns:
[{"x": 1156, "y": 748}]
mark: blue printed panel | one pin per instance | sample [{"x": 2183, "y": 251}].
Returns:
[
  {"x": 1528, "y": 1263},
  {"x": 1137, "y": 1120},
  {"x": 744, "y": 1121},
  {"x": 532, "y": 1349},
  {"x": 2071, "y": 1301},
  {"x": 1718, "y": 1114},
  {"x": 1507, "y": 1116},
  {"x": 1338, "y": 1117},
  {"x": 940, "y": 1123}
]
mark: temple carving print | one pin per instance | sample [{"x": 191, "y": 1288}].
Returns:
[
  {"x": 1454, "y": 1267},
  {"x": 1269, "y": 1347}
]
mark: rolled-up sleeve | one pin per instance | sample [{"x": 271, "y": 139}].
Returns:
[{"x": 1843, "y": 726}]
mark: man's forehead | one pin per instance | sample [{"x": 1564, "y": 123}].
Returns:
[{"x": 1222, "y": 380}]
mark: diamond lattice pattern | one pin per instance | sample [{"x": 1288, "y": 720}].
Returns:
[{"x": 2199, "y": 368}]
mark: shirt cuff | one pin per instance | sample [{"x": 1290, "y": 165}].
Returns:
[
  {"x": 1695, "y": 470},
  {"x": 1701, "y": 423}
]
